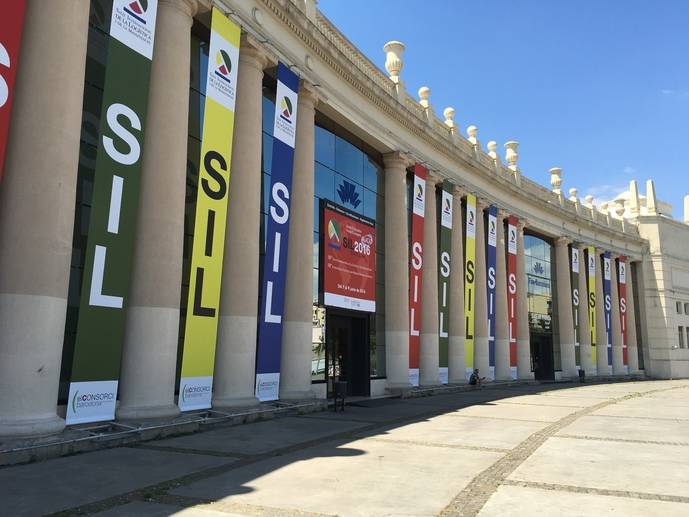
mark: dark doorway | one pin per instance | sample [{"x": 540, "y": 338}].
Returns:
[
  {"x": 347, "y": 352},
  {"x": 542, "y": 356}
]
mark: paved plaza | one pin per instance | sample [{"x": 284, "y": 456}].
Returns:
[{"x": 558, "y": 449}]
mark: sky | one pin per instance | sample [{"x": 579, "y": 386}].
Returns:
[{"x": 598, "y": 88}]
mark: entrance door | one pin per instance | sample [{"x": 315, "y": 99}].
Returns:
[
  {"x": 347, "y": 352},
  {"x": 542, "y": 357}
]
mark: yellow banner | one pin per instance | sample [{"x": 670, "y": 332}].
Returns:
[
  {"x": 469, "y": 280},
  {"x": 211, "y": 212},
  {"x": 591, "y": 259}
]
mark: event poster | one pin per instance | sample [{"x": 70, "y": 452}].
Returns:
[
  {"x": 622, "y": 272},
  {"x": 349, "y": 259},
  {"x": 418, "y": 210},
  {"x": 607, "y": 278},
  {"x": 491, "y": 263},
  {"x": 208, "y": 246},
  {"x": 114, "y": 207},
  {"x": 512, "y": 291},
  {"x": 591, "y": 261},
  {"x": 574, "y": 266},
  {"x": 469, "y": 279},
  {"x": 444, "y": 268},
  {"x": 11, "y": 24},
  {"x": 269, "y": 348}
]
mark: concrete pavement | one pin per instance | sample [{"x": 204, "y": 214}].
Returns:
[{"x": 558, "y": 449}]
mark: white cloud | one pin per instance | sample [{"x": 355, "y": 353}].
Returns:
[
  {"x": 628, "y": 169},
  {"x": 675, "y": 93},
  {"x": 605, "y": 192}
]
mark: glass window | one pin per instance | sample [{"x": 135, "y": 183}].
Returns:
[
  {"x": 349, "y": 161},
  {"x": 267, "y": 153},
  {"x": 370, "y": 203},
  {"x": 680, "y": 331},
  {"x": 325, "y": 182},
  {"x": 678, "y": 305},
  {"x": 686, "y": 309},
  {"x": 373, "y": 176},
  {"x": 325, "y": 147},
  {"x": 268, "y": 111}
]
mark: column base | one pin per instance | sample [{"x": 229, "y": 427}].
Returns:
[
  {"x": 31, "y": 427},
  {"x": 430, "y": 384},
  {"x": 229, "y": 402},
  {"x": 525, "y": 376},
  {"x": 147, "y": 412},
  {"x": 297, "y": 395}
]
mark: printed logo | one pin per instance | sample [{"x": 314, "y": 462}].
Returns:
[
  {"x": 492, "y": 227},
  {"x": 286, "y": 109},
  {"x": 419, "y": 192},
  {"x": 137, "y": 9},
  {"x": 334, "y": 234},
  {"x": 194, "y": 392},
  {"x": 471, "y": 217},
  {"x": 348, "y": 194},
  {"x": 223, "y": 65},
  {"x": 446, "y": 207},
  {"x": 538, "y": 268},
  {"x": 89, "y": 400}
]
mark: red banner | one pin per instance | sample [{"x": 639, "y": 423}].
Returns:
[
  {"x": 418, "y": 209},
  {"x": 622, "y": 270},
  {"x": 349, "y": 259},
  {"x": 512, "y": 290},
  {"x": 11, "y": 23}
]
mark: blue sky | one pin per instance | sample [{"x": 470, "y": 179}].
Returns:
[{"x": 599, "y": 88}]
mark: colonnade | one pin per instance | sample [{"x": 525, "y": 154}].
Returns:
[{"x": 37, "y": 200}]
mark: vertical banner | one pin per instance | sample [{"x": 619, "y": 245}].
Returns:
[
  {"x": 269, "y": 347},
  {"x": 607, "y": 276},
  {"x": 469, "y": 279},
  {"x": 11, "y": 24},
  {"x": 491, "y": 257},
  {"x": 622, "y": 271},
  {"x": 591, "y": 261},
  {"x": 208, "y": 247},
  {"x": 418, "y": 210},
  {"x": 574, "y": 257},
  {"x": 512, "y": 291},
  {"x": 444, "y": 267},
  {"x": 114, "y": 206}
]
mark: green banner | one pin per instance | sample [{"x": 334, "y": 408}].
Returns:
[
  {"x": 444, "y": 267},
  {"x": 105, "y": 281}
]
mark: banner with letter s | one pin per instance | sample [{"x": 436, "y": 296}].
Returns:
[
  {"x": 114, "y": 207},
  {"x": 607, "y": 277},
  {"x": 491, "y": 264},
  {"x": 622, "y": 272},
  {"x": 469, "y": 279},
  {"x": 11, "y": 24},
  {"x": 208, "y": 246},
  {"x": 444, "y": 268},
  {"x": 591, "y": 263},
  {"x": 574, "y": 267},
  {"x": 418, "y": 212},
  {"x": 512, "y": 291}
]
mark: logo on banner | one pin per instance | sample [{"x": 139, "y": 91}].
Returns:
[
  {"x": 446, "y": 211},
  {"x": 348, "y": 194},
  {"x": 91, "y": 400},
  {"x": 285, "y": 113},
  {"x": 286, "y": 109},
  {"x": 191, "y": 393},
  {"x": 223, "y": 65},
  {"x": 133, "y": 23},
  {"x": 137, "y": 9},
  {"x": 334, "y": 234},
  {"x": 222, "y": 77},
  {"x": 575, "y": 260},
  {"x": 492, "y": 231}
]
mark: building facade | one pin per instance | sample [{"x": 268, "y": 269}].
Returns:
[{"x": 460, "y": 261}]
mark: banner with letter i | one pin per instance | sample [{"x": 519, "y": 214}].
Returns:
[
  {"x": 574, "y": 258},
  {"x": 208, "y": 247},
  {"x": 491, "y": 257},
  {"x": 622, "y": 271},
  {"x": 512, "y": 290},
  {"x": 469, "y": 279},
  {"x": 114, "y": 206},
  {"x": 591, "y": 261},
  {"x": 418, "y": 210},
  {"x": 269, "y": 345},
  {"x": 444, "y": 267},
  {"x": 607, "y": 275},
  {"x": 11, "y": 24}
]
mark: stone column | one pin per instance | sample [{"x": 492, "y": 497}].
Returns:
[
  {"x": 632, "y": 351},
  {"x": 429, "y": 353},
  {"x": 601, "y": 337},
  {"x": 397, "y": 271},
  {"x": 523, "y": 339},
  {"x": 564, "y": 304},
  {"x": 502, "y": 324},
  {"x": 616, "y": 324},
  {"x": 235, "y": 356},
  {"x": 147, "y": 385},
  {"x": 295, "y": 365},
  {"x": 584, "y": 324},
  {"x": 481, "y": 309},
  {"x": 37, "y": 198},
  {"x": 456, "y": 364}
]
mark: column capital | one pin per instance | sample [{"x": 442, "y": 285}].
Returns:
[
  {"x": 458, "y": 192},
  {"x": 396, "y": 159},
  {"x": 308, "y": 93},
  {"x": 502, "y": 214},
  {"x": 252, "y": 52},
  {"x": 481, "y": 204},
  {"x": 433, "y": 179},
  {"x": 599, "y": 251},
  {"x": 188, "y": 7},
  {"x": 563, "y": 241},
  {"x": 521, "y": 224}
]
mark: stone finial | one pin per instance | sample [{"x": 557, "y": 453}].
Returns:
[
  {"x": 686, "y": 209},
  {"x": 651, "y": 201},
  {"x": 588, "y": 200},
  {"x": 472, "y": 132},
  {"x": 573, "y": 195},
  {"x": 619, "y": 208},
  {"x": 449, "y": 114},
  {"x": 512, "y": 154},
  {"x": 424, "y": 95},
  {"x": 604, "y": 207},
  {"x": 393, "y": 59},
  {"x": 556, "y": 179},
  {"x": 492, "y": 147},
  {"x": 633, "y": 198}
]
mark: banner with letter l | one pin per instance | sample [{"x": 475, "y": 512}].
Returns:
[
  {"x": 491, "y": 263},
  {"x": 208, "y": 246},
  {"x": 607, "y": 276},
  {"x": 622, "y": 272},
  {"x": 469, "y": 279},
  {"x": 512, "y": 291},
  {"x": 591, "y": 262},
  {"x": 574, "y": 267},
  {"x": 114, "y": 207},
  {"x": 444, "y": 268},
  {"x": 269, "y": 344},
  {"x": 418, "y": 212}
]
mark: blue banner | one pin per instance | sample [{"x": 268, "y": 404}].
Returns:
[
  {"x": 269, "y": 345},
  {"x": 491, "y": 257},
  {"x": 607, "y": 276}
]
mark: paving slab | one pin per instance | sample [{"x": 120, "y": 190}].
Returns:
[
  {"x": 616, "y": 428},
  {"x": 547, "y": 400},
  {"x": 516, "y": 412},
  {"x": 468, "y": 432},
  {"x": 634, "y": 467},
  {"x": 260, "y": 437},
  {"x": 363, "y": 477},
  {"x": 515, "y": 501},
  {"x": 145, "y": 509},
  {"x": 385, "y": 411},
  {"x": 645, "y": 409},
  {"x": 55, "y": 485}
]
